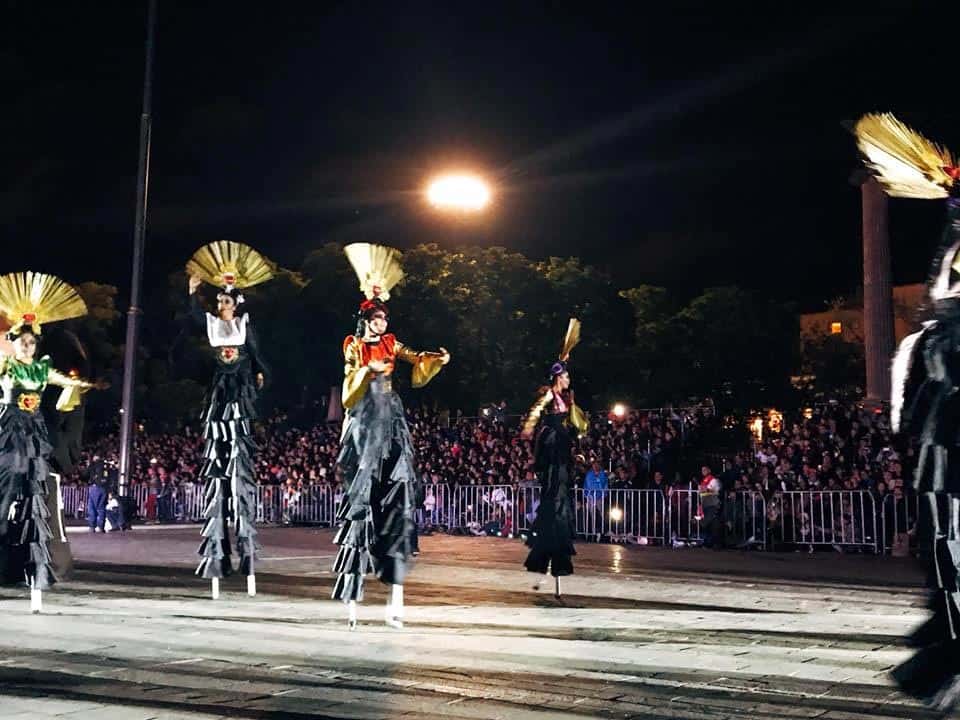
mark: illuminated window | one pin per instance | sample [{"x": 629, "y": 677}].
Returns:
[{"x": 836, "y": 328}]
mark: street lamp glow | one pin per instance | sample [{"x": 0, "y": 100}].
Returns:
[
  {"x": 619, "y": 410},
  {"x": 459, "y": 192}
]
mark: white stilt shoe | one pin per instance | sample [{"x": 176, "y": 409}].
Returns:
[
  {"x": 352, "y": 615},
  {"x": 394, "y": 609}
]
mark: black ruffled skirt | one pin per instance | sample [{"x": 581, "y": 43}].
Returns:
[
  {"x": 24, "y": 471},
  {"x": 552, "y": 533},
  {"x": 230, "y": 491},
  {"x": 376, "y": 458}
]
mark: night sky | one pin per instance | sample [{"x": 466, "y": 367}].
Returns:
[{"x": 688, "y": 147}]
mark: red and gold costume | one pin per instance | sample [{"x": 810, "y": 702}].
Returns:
[
  {"x": 376, "y": 454},
  {"x": 358, "y": 355}
]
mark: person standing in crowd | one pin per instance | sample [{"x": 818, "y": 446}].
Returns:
[
  {"x": 28, "y": 301},
  {"x": 376, "y": 455},
  {"x": 552, "y": 532},
  {"x": 96, "y": 506},
  {"x": 595, "y": 485},
  {"x": 230, "y": 492},
  {"x": 710, "y": 501}
]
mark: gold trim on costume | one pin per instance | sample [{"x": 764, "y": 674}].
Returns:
[
  {"x": 578, "y": 419},
  {"x": 533, "y": 417},
  {"x": 73, "y": 389},
  {"x": 356, "y": 377},
  {"x": 28, "y": 402},
  {"x": 426, "y": 365}
]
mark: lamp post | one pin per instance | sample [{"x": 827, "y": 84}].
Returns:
[{"x": 139, "y": 232}]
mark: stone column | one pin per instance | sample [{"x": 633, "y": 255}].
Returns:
[{"x": 877, "y": 291}]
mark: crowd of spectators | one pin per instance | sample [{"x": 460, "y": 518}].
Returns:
[
  {"x": 832, "y": 447},
  {"x": 485, "y": 450}
]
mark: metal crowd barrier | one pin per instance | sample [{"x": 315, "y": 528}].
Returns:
[
  {"x": 684, "y": 513},
  {"x": 814, "y": 518},
  {"x": 619, "y": 514},
  {"x": 74, "y": 500},
  {"x": 311, "y": 505},
  {"x": 835, "y": 518},
  {"x": 899, "y": 518},
  {"x": 528, "y": 501},
  {"x": 745, "y": 518},
  {"x": 436, "y": 510},
  {"x": 478, "y": 506}
]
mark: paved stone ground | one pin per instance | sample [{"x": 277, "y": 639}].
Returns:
[{"x": 640, "y": 633}]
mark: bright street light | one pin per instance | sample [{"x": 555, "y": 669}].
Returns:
[
  {"x": 465, "y": 193},
  {"x": 619, "y": 410}
]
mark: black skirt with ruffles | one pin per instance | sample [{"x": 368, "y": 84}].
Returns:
[
  {"x": 24, "y": 471},
  {"x": 230, "y": 491},
  {"x": 376, "y": 459},
  {"x": 552, "y": 533}
]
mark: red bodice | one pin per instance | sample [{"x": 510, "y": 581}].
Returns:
[{"x": 385, "y": 350}]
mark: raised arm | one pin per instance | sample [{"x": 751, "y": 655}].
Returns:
[
  {"x": 195, "y": 311},
  {"x": 426, "y": 365},
  {"x": 73, "y": 389}
]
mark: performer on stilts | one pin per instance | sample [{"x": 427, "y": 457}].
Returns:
[
  {"x": 551, "y": 536},
  {"x": 230, "y": 491},
  {"x": 925, "y": 402},
  {"x": 28, "y": 301},
  {"x": 376, "y": 454}
]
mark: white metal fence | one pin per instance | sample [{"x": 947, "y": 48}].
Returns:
[
  {"x": 793, "y": 518},
  {"x": 476, "y": 507},
  {"x": 834, "y": 518},
  {"x": 621, "y": 515},
  {"x": 899, "y": 518}
]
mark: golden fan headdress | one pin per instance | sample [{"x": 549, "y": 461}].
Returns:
[
  {"x": 377, "y": 268},
  {"x": 34, "y": 299},
  {"x": 905, "y": 162},
  {"x": 571, "y": 339},
  {"x": 230, "y": 264}
]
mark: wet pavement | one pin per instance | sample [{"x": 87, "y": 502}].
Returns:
[{"x": 639, "y": 632}]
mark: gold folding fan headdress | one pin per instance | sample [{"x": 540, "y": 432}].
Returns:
[
  {"x": 571, "y": 339},
  {"x": 906, "y": 163},
  {"x": 377, "y": 268},
  {"x": 226, "y": 264},
  {"x": 35, "y": 299}
]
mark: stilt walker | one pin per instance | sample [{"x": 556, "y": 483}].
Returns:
[
  {"x": 551, "y": 536},
  {"x": 925, "y": 402},
  {"x": 376, "y": 454},
  {"x": 230, "y": 491},
  {"x": 29, "y": 300}
]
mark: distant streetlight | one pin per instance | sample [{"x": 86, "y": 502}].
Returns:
[
  {"x": 619, "y": 410},
  {"x": 462, "y": 193}
]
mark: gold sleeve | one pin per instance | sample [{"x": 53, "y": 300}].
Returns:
[
  {"x": 426, "y": 365},
  {"x": 73, "y": 389},
  {"x": 579, "y": 419},
  {"x": 533, "y": 417},
  {"x": 356, "y": 379}
]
